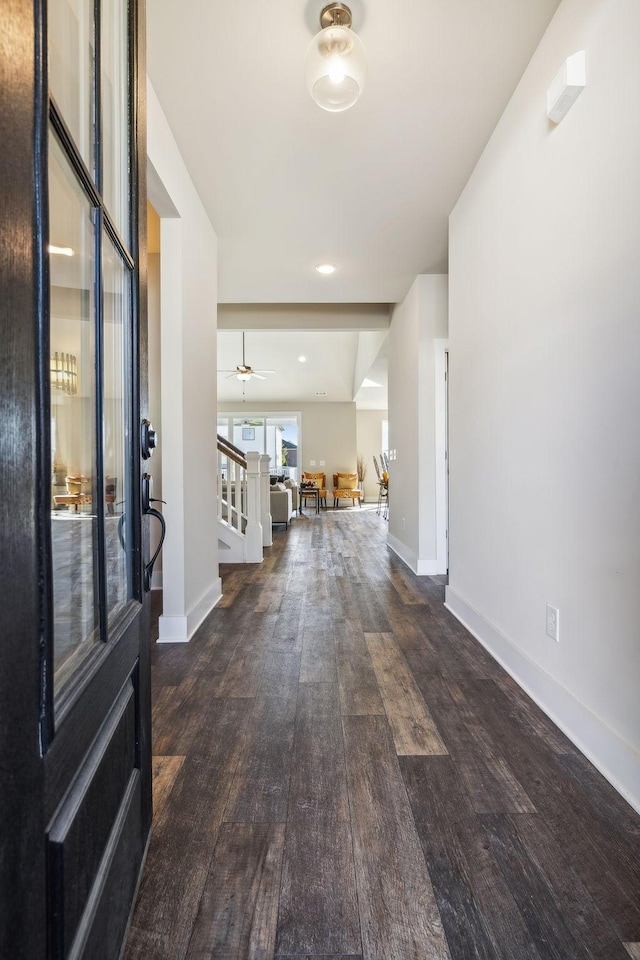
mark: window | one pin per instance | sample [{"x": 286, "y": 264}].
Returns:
[
  {"x": 385, "y": 437},
  {"x": 91, "y": 323},
  {"x": 275, "y": 434}
]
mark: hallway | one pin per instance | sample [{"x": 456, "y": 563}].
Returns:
[{"x": 341, "y": 770}]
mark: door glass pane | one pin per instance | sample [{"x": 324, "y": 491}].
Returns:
[
  {"x": 115, "y": 113},
  {"x": 71, "y": 59},
  {"x": 117, "y": 427},
  {"x": 73, "y": 496}
]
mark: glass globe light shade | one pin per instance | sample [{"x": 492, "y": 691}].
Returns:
[{"x": 335, "y": 68}]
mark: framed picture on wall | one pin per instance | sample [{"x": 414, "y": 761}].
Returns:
[{"x": 248, "y": 433}]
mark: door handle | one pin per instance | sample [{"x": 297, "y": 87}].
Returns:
[
  {"x": 148, "y": 439},
  {"x": 149, "y": 511}
]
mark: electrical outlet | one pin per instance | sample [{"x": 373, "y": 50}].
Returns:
[
  {"x": 312, "y": 463},
  {"x": 553, "y": 623}
]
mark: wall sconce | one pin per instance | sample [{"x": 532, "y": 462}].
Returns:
[
  {"x": 64, "y": 373},
  {"x": 336, "y": 61}
]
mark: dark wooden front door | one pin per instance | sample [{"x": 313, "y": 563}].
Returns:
[{"x": 75, "y": 794}]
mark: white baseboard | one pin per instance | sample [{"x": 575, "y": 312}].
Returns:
[
  {"x": 616, "y": 759},
  {"x": 180, "y": 629},
  {"x": 401, "y": 550},
  {"x": 422, "y": 567},
  {"x": 172, "y": 629},
  {"x": 204, "y": 606}
]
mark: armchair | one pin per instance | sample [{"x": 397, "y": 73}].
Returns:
[
  {"x": 318, "y": 480},
  {"x": 345, "y": 487}
]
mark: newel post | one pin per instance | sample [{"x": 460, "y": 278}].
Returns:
[
  {"x": 253, "y": 530},
  {"x": 265, "y": 500}
]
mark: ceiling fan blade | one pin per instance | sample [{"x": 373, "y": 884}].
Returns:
[{"x": 245, "y": 368}]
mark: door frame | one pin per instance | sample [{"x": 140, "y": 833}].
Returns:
[
  {"x": 22, "y": 850},
  {"x": 442, "y": 454}
]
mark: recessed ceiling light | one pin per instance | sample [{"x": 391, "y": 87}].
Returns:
[
  {"x": 326, "y": 268},
  {"x": 62, "y": 251},
  {"x": 302, "y": 359}
]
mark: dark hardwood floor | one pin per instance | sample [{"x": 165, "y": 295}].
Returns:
[{"x": 342, "y": 771}]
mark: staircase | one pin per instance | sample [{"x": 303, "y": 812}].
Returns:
[{"x": 244, "y": 520}]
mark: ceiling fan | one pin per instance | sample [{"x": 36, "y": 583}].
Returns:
[{"x": 244, "y": 371}]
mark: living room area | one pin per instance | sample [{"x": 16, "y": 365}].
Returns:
[
  {"x": 308, "y": 387},
  {"x": 304, "y": 477}
]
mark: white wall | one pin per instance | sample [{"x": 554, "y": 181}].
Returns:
[
  {"x": 545, "y": 389},
  {"x": 415, "y": 326},
  {"x": 369, "y": 441},
  {"x": 328, "y": 433},
  {"x": 188, "y": 251},
  {"x": 154, "y": 464}
]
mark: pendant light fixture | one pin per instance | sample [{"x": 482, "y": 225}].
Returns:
[
  {"x": 64, "y": 373},
  {"x": 336, "y": 62}
]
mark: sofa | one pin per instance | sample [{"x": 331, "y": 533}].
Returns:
[
  {"x": 295, "y": 494},
  {"x": 283, "y": 506},
  {"x": 290, "y": 485}
]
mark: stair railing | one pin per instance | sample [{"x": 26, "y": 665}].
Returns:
[
  {"x": 240, "y": 495},
  {"x": 232, "y": 485}
]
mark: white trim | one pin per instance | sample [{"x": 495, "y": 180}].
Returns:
[
  {"x": 204, "y": 606},
  {"x": 401, "y": 550},
  {"x": 172, "y": 629},
  {"x": 441, "y": 347},
  {"x": 616, "y": 759},
  {"x": 172, "y": 418},
  {"x": 182, "y": 629},
  {"x": 421, "y": 566}
]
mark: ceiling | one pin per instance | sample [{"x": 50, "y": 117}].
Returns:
[
  {"x": 288, "y": 185},
  {"x": 344, "y": 352}
]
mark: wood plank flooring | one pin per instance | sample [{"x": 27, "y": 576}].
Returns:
[{"x": 342, "y": 772}]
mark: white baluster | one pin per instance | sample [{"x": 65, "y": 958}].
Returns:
[{"x": 237, "y": 497}]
